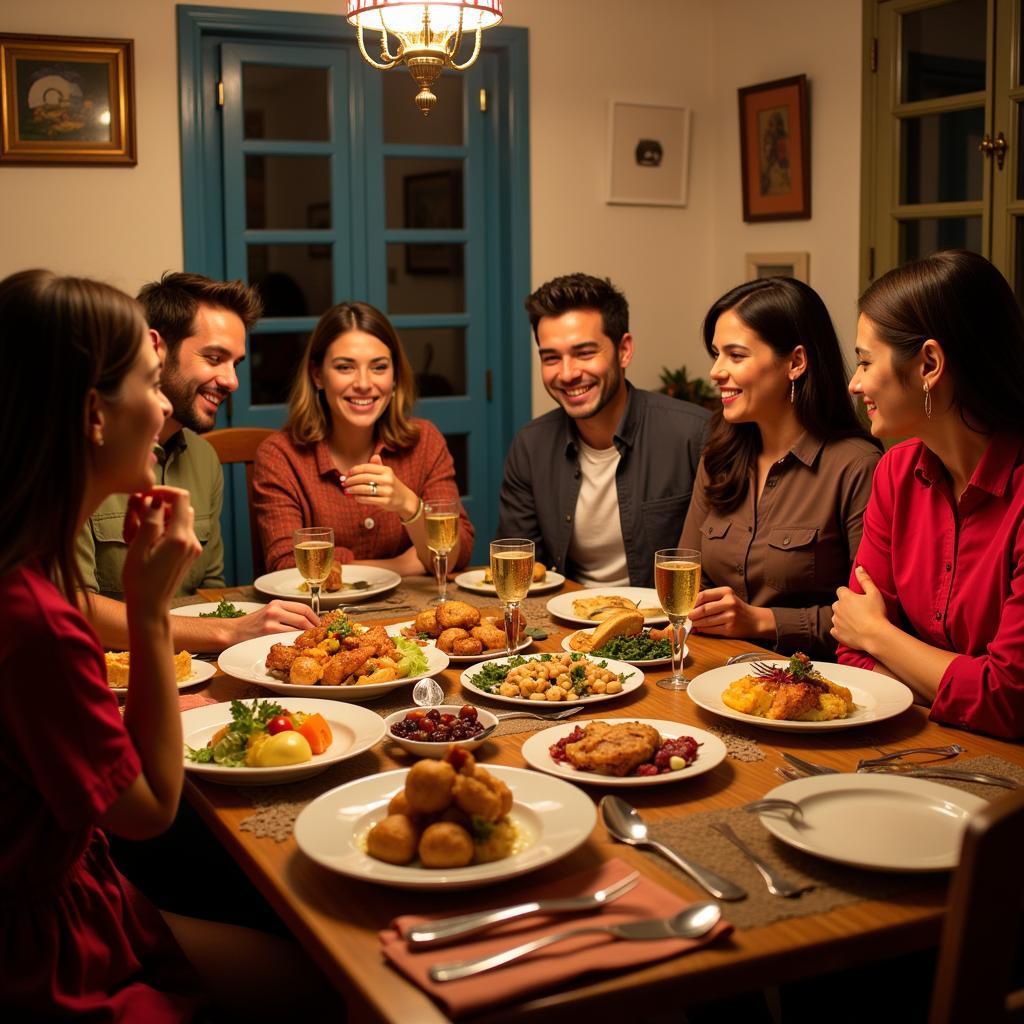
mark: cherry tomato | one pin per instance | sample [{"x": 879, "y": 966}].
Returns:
[{"x": 280, "y": 724}]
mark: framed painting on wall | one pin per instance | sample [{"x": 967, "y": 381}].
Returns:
[
  {"x": 778, "y": 264},
  {"x": 775, "y": 150},
  {"x": 648, "y": 154},
  {"x": 66, "y": 100}
]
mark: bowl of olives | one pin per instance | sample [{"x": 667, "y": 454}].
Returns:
[{"x": 429, "y": 732}]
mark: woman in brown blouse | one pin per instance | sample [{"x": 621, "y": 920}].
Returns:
[{"x": 785, "y": 478}]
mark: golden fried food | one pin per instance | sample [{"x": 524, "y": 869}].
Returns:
[
  {"x": 540, "y": 573},
  {"x": 627, "y": 622},
  {"x": 305, "y": 671},
  {"x": 380, "y": 674},
  {"x": 311, "y": 637},
  {"x": 477, "y": 795},
  {"x": 429, "y": 785},
  {"x": 497, "y": 844},
  {"x": 445, "y": 845},
  {"x": 793, "y": 691},
  {"x": 447, "y": 638},
  {"x": 467, "y": 647},
  {"x": 345, "y": 664},
  {"x": 426, "y": 622},
  {"x": 333, "y": 618},
  {"x": 280, "y": 658},
  {"x": 393, "y": 840},
  {"x": 457, "y": 615},
  {"x": 118, "y": 663},
  {"x": 490, "y": 636},
  {"x": 614, "y": 749},
  {"x": 399, "y": 805},
  {"x": 333, "y": 581}
]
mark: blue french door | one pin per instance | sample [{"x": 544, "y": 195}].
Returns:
[{"x": 330, "y": 185}]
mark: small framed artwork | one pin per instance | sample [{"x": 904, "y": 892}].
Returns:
[
  {"x": 66, "y": 100},
  {"x": 778, "y": 264},
  {"x": 775, "y": 150},
  {"x": 648, "y": 154},
  {"x": 433, "y": 200}
]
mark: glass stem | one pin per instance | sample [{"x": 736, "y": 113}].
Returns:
[
  {"x": 511, "y": 628},
  {"x": 441, "y": 571},
  {"x": 678, "y": 632},
  {"x": 314, "y": 592}
]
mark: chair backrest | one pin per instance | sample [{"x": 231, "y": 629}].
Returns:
[
  {"x": 979, "y": 939},
  {"x": 238, "y": 445}
]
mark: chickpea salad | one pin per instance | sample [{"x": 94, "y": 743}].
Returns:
[{"x": 553, "y": 678}]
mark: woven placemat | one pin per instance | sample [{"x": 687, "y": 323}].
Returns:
[{"x": 835, "y": 884}]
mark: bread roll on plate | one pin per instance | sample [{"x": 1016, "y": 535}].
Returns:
[{"x": 624, "y": 623}]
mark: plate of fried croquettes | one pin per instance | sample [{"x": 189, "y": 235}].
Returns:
[{"x": 463, "y": 632}]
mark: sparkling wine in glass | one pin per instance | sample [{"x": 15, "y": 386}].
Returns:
[
  {"x": 512, "y": 570},
  {"x": 677, "y": 579},
  {"x": 442, "y": 532},
  {"x": 314, "y": 557}
]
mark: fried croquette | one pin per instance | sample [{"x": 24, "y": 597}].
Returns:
[
  {"x": 333, "y": 581},
  {"x": 490, "y": 636},
  {"x": 613, "y": 749},
  {"x": 426, "y": 622},
  {"x": 476, "y": 797},
  {"x": 381, "y": 674},
  {"x": 498, "y": 843},
  {"x": 457, "y": 615},
  {"x": 393, "y": 840},
  {"x": 280, "y": 658},
  {"x": 447, "y": 638},
  {"x": 445, "y": 845},
  {"x": 311, "y": 637},
  {"x": 305, "y": 671},
  {"x": 344, "y": 664},
  {"x": 428, "y": 786}
]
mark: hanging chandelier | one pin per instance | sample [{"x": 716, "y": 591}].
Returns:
[{"x": 427, "y": 35}]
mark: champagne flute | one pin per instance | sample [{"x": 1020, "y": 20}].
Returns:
[
  {"x": 512, "y": 570},
  {"x": 677, "y": 578},
  {"x": 442, "y": 532},
  {"x": 314, "y": 557}
]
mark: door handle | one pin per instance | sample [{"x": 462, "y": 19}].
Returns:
[{"x": 998, "y": 146}]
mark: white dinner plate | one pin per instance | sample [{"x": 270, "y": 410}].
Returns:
[
  {"x": 884, "y": 822},
  {"x": 285, "y": 583},
  {"x": 553, "y": 818},
  {"x": 710, "y": 753},
  {"x": 875, "y": 697},
  {"x": 201, "y": 671},
  {"x": 353, "y": 730},
  {"x": 247, "y": 661},
  {"x": 193, "y": 611},
  {"x": 648, "y": 663},
  {"x": 457, "y": 659},
  {"x": 474, "y": 580},
  {"x": 633, "y": 681},
  {"x": 643, "y": 597}
]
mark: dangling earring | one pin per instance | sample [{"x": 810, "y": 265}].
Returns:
[
  {"x": 792, "y": 391},
  {"x": 927, "y": 401}
]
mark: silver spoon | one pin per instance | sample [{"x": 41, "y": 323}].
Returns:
[
  {"x": 691, "y": 923},
  {"x": 426, "y": 693},
  {"x": 623, "y": 821}
]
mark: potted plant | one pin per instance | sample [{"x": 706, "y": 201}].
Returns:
[{"x": 691, "y": 389}]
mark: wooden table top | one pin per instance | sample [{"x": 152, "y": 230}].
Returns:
[{"x": 337, "y": 919}]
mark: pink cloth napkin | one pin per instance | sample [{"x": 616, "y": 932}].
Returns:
[{"x": 556, "y": 965}]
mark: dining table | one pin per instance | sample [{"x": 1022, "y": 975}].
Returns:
[{"x": 338, "y": 919}]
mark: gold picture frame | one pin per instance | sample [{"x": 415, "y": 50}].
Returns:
[
  {"x": 778, "y": 264},
  {"x": 66, "y": 100}
]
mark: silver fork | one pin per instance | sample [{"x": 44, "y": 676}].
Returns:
[
  {"x": 504, "y": 716},
  {"x": 953, "y": 750},
  {"x": 777, "y": 884},
  {"x": 432, "y": 933}
]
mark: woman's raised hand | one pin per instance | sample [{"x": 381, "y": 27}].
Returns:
[
  {"x": 161, "y": 547},
  {"x": 373, "y": 483}
]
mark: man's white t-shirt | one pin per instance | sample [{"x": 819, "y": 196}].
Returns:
[{"x": 596, "y": 547}]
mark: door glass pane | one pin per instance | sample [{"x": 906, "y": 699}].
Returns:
[
  {"x": 458, "y": 445},
  {"x": 1018, "y": 263},
  {"x": 1020, "y": 162},
  {"x": 426, "y": 279},
  {"x": 287, "y": 192},
  {"x": 294, "y": 280},
  {"x": 438, "y": 358},
  {"x": 919, "y": 238},
  {"x": 423, "y": 193},
  {"x": 939, "y": 157},
  {"x": 273, "y": 360},
  {"x": 286, "y": 103},
  {"x": 403, "y": 121},
  {"x": 943, "y": 50}
]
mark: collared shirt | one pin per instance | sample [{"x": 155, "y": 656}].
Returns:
[
  {"x": 188, "y": 462},
  {"x": 298, "y": 485},
  {"x": 659, "y": 439},
  {"x": 952, "y": 574},
  {"x": 790, "y": 549}
]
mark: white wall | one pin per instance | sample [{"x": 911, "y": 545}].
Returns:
[{"x": 124, "y": 224}]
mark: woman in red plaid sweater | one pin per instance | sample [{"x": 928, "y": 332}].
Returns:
[{"x": 351, "y": 457}]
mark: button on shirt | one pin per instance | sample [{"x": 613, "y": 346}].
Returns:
[
  {"x": 789, "y": 550},
  {"x": 952, "y": 574}
]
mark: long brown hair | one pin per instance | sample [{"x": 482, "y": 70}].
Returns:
[
  {"x": 961, "y": 301},
  {"x": 309, "y": 418},
  {"x": 61, "y": 337},
  {"x": 784, "y": 313}
]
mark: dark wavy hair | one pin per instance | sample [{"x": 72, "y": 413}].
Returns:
[
  {"x": 61, "y": 337},
  {"x": 581, "y": 291},
  {"x": 961, "y": 301},
  {"x": 784, "y": 313}
]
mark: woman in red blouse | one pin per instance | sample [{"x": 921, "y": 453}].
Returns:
[
  {"x": 351, "y": 457},
  {"x": 936, "y": 597}
]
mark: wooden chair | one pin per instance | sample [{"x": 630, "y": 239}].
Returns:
[
  {"x": 983, "y": 924},
  {"x": 237, "y": 445}
]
